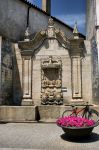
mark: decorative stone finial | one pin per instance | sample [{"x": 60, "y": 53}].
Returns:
[
  {"x": 75, "y": 31},
  {"x": 50, "y": 22},
  {"x": 51, "y": 29},
  {"x": 27, "y": 34}
]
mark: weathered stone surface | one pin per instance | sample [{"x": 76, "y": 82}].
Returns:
[
  {"x": 14, "y": 20},
  {"x": 17, "y": 113},
  {"x": 0, "y": 68},
  {"x": 79, "y": 79},
  {"x": 75, "y": 71},
  {"x": 34, "y": 113},
  {"x": 43, "y": 136},
  {"x": 17, "y": 75},
  {"x": 51, "y": 113},
  {"x": 27, "y": 72},
  {"x": 6, "y": 71},
  {"x": 92, "y": 34}
]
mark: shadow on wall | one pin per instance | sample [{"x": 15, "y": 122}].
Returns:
[
  {"x": 95, "y": 77},
  {"x": 6, "y": 72},
  {"x": 17, "y": 89},
  {"x": 7, "y": 95}
]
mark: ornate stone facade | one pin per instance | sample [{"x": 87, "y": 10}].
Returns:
[
  {"x": 54, "y": 67},
  {"x": 50, "y": 67}
]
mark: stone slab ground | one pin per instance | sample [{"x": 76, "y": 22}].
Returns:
[{"x": 42, "y": 136}]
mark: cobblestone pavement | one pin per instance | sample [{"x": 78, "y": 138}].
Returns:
[{"x": 38, "y": 136}]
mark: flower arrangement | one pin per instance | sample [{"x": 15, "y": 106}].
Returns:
[{"x": 75, "y": 121}]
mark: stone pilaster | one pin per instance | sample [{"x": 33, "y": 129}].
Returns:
[
  {"x": 24, "y": 67},
  {"x": 97, "y": 40},
  {"x": 77, "y": 53},
  {"x": 76, "y": 77},
  {"x": 27, "y": 80},
  {"x": 0, "y": 68}
]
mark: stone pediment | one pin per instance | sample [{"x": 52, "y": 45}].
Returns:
[
  {"x": 40, "y": 37},
  {"x": 33, "y": 44},
  {"x": 29, "y": 46}
]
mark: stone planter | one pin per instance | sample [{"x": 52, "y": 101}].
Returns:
[
  {"x": 78, "y": 132},
  {"x": 78, "y": 125}
]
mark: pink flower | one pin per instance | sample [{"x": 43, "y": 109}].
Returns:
[{"x": 73, "y": 121}]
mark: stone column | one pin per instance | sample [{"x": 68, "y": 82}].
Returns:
[
  {"x": 97, "y": 39},
  {"x": 76, "y": 77},
  {"x": 0, "y": 69},
  {"x": 46, "y": 6},
  {"x": 27, "y": 80}
]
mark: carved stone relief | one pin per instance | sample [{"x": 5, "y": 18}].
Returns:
[{"x": 51, "y": 81}]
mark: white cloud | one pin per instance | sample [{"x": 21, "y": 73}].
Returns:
[{"x": 70, "y": 19}]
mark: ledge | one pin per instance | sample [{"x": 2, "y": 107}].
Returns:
[
  {"x": 17, "y": 113},
  {"x": 42, "y": 113}
]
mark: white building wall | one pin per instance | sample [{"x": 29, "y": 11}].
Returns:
[
  {"x": 90, "y": 19},
  {"x": 92, "y": 35}
]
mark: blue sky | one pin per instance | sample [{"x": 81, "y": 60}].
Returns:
[{"x": 68, "y": 11}]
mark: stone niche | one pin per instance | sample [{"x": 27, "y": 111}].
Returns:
[
  {"x": 51, "y": 89},
  {"x": 49, "y": 67}
]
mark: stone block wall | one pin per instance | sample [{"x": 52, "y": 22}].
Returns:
[
  {"x": 6, "y": 71},
  {"x": 13, "y": 23},
  {"x": 13, "y": 20},
  {"x": 90, "y": 19},
  {"x": 92, "y": 34},
  {"x": 90, "y": 72},
  {"x": 0, "y": 68},
  {"x": 87, "y": 73},
  {"x": 95, "y": 73}
]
